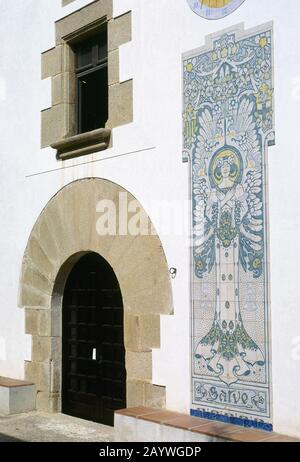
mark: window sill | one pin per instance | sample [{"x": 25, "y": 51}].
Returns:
[{"x": 82, "y": 144}]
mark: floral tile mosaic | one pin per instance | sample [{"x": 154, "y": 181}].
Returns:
[{"x": 228, "y": 126}]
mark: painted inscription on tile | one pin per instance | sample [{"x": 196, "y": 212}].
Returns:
[{"x": 228, "y": 124}]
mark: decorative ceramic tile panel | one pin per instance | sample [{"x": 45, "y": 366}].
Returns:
[{"x": 228, "y": 125}]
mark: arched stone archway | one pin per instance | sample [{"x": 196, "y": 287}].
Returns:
[{"x": 66, "y": 229}]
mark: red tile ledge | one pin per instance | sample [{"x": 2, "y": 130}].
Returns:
[
  {"x": 136, "y": 411},
  {"x": 7, "y": 382},
  {"x": 220, "y": 430}
]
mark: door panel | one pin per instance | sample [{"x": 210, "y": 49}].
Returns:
[{"x": 93, "y": 354}]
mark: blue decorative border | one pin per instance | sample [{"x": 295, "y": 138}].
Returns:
[{"x": 232, "y": 420}]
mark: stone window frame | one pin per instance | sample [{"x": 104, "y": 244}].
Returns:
[{"x": 58, "y": 123}]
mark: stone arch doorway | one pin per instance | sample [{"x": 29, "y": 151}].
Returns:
[
  {"x": 93, "y": 353},
  {"x": 65, "y": 231}
]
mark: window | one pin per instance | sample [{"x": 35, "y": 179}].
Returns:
[
  {"x": 88, "y": 99},
  {"x": 92, "y": 82}
]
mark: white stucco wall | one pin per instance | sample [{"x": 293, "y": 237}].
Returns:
[{"x": 29, "y": 177}]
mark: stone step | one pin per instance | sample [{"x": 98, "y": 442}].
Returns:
[{"x": 16, "y": 396}]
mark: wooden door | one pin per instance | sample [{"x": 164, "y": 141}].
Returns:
[{"x": 93, "y": 354}]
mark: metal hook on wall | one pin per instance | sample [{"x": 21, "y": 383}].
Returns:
[{"x": 173, "y": 272}]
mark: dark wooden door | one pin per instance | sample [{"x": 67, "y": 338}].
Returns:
[{"x": 93, "y": 354}]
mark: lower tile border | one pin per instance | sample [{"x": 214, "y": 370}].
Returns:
[{"x": 232, "y": 420}]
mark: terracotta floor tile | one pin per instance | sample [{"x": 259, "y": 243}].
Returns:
[
  {"x": 136, "y": 411},
  {"x": 246, "y": 436},
  {"x": 11, "y": 383},
  {"x": 160, "y": 416},
  {"x": 281, "y": 439},
  {"x": 216, "y": 428},
  {"x": 185, "y": 422}
]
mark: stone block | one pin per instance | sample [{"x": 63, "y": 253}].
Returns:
[
  {"x": 139, "y": 365},
  {"x": 131, "y": 332},
  {"x": 41, "y": 348},
  {"x": 43, "y": 249},
  {"x": 38, "y": 256},
  {"x": 155, "y": 300},
  {"x": 119, "y": 31},
  {"x": 32, "y": 277},
  {"x": 68, "y": 58},
  {"x": 51, "y": 62},
  {"x": 83, "y": 18},
  {"x": 38, "y": 322},
  {"x": 66, "y": 2},
  {"x": 44, "y": 381},
  {"x": 141, "y": 333},
  {"x": 120, "y": 104},
  {"x": 53, "y": 125},
  {"x": 77, "y": 212},
  {"x": 32, "y": 321},
  {"x": 31, "y": 371},
  {"x": 119, "y": 250},
  {"x": 155, "y": 396},
  {"x": 58, "y": 60},
  {"x": 58, "y": 122},
  {"x": 45, "y": 348},
  {"x": 150, "y": 331},
  {"x": 44, "y": 323},
  {"x": 135, "y": 393},
  {"x": 56, "y": 317},
  {"x": 113, "y": 67},
  {"x": 46, "y": 375},
  {"x": 31, "y": 297},
  {"x": 55, "y": 384},
  {"x": 63, "y": 88},
  {"x": 57, "y": 231},
  {"x": 147, "y": 252},
  {"x": 47, "y": 402},
  {"x": 39, "y": 373},
  {"x": 42, "y": 401}
]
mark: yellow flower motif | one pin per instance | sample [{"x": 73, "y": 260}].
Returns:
[
  {"x": 266, "y": 91},
  {"x": 215, "y": 56},
  {"x": 264, "y": 88},
  {"x": 190, "y": 109},
  {"x": 224, "y": 53},
  {"x": 234, "y": 49},
  {"x": 256, "y": 263},
  {"x": 200, "y": 265},
  {"x": 251, "y": 164},
  {"x": 189, "y": 67},
  {"x": 202, "y": 172},
  {"x": 215, "y": 3},
  {"x": 263, "y": 42}
]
